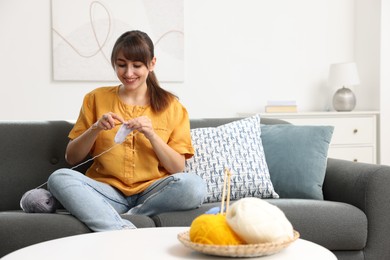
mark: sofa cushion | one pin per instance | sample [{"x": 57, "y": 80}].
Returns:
[
  {"x": 296, "y": 157},
  {"x": 334, "y": 225},
  {"x": 27, "y": 160},
  {"x": 238, "y": 147}
]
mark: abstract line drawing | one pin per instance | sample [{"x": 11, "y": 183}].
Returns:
[{"x": 84, "y": 31}]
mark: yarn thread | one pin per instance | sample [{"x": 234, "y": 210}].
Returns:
[
  {"x": 213, "y": 230},
  {"x": 40, "y": 200},
  {"x": 258, "y": 221}
]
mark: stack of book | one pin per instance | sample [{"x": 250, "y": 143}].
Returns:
[{"x": 281, "y": 106}]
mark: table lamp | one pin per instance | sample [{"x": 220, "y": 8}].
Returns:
[{"x": 342, "y": 75}]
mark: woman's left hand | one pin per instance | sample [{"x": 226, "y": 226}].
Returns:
[
  {"x": 143, "y": 125},
  {"x": 171, "y": 160}
]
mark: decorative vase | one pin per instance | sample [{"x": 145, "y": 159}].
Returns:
[{"x": 344, "y": 100}]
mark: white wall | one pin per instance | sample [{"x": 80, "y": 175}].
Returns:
[
  {"x": 239, "y": 54},
  {"x": 385, "y": 83},
  {"x": 367, "y": 52}
]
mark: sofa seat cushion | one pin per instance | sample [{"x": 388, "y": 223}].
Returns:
[
  {"x": 334, "y": 225},
  {"x": 44, "y": 227}
]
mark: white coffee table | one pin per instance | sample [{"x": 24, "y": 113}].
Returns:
[{"x": 146, "y": 243}]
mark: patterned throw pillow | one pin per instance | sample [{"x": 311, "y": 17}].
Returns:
[{"x": 236, "y": 146}]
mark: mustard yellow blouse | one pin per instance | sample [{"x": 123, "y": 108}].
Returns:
[{"x": 131, "y": 166}]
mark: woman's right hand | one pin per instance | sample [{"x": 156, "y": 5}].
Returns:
[
  {"x": 78, "y": 149},
  {"x": 107, "y": 121}
]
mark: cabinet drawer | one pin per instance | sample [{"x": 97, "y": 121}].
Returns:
[
  {"x": 354, "y": 136},
  {"x": 359, "y": 130},
  {"x": 355, "y": 154}
]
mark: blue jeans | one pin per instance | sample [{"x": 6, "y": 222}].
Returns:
[{"x": 99, "y": 205}]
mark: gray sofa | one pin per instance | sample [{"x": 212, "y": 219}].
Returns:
[{"x": 353, "y": 220}]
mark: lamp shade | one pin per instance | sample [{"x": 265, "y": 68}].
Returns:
[{"x": 343, "y": 74}]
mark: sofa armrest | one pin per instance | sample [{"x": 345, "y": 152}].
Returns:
[{"x": 366, "y": 186}]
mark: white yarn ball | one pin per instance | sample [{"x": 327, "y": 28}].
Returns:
[{"x": 257, "y": 221}]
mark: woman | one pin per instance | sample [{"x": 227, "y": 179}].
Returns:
[{"x": 142, "y": 175}]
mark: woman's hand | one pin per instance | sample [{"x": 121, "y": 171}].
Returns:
[
  {"x": 80, "y": 147},
  {"x": 172, "y": 161},
  {"x": 107, "y": 121},
  {"x": 143, "y": 125}
]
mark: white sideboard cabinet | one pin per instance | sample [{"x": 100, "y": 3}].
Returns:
[{"x": 355, "y": 133}]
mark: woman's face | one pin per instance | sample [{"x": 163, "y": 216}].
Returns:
[{"x": 132, "y": 74}]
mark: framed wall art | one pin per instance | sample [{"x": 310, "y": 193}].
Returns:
[{"x": 84, "y": 32}]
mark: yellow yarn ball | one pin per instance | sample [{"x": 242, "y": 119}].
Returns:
[{"x": 213, "y": 230}]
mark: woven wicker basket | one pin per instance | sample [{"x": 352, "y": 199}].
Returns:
[{"x": 247, "y": 250}]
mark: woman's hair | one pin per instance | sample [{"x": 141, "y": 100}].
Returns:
[{"x": 137, "y": 46}]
